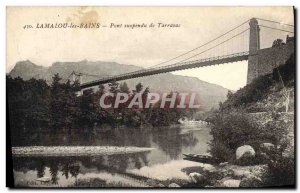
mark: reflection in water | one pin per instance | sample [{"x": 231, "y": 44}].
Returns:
[
  {"x": 169, "y": 144},
  {"x": 167, "y": 170},
  {"x": 172, "y": 142}
]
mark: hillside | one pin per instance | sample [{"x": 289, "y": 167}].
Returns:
[
  {"x": 259, "y": 115},
  {"x": 211, "y": 94}
]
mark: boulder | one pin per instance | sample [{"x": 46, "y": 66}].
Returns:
[
  {"x": 196, "y": 177},
  {"x": 160, "y": 185},
  {"x": 209, "y": 168},
  {"x": 223, "y": 164},
  {"x": 241, "y": 173},
  {"x": 245, "y": 151},
  {"x": 152, "y": 182},
  {"x": 231, "y": 183},
  {"x": 174, "y": 185},
  {"x": 44, "y": 180},
  {"x": 250, "y": 182},
  {"x": 266, "y": 147}
]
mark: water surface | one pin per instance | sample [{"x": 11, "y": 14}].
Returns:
[{"x": 164, "y": 162}]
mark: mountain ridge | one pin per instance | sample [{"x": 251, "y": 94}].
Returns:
[{"x": 211, "y": 94}]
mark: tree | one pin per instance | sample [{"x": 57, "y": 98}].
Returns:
[
  {"x": 124, "y": 88},
  {"x": 278, "y": 42},
  {"x": 229, "y": 95},
  {"x": 138, "y": 88},
  {"x": 145, "y": 94},
  {"x": 88, "y": 114},
  {"x": 71, "y": 108},
  {"x": 28, "y": 103},
  {"x": 57, "y": 103},
  {"x": 114, "y": 87}
]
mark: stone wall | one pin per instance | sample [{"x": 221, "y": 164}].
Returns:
[{"x": 265, "y": 60}]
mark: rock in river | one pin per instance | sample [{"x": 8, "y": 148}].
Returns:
[
  {"x": 231, "y": 183},
  {"x": 196, "y": 177},
  {"x": 245, "y": 151},
  {"x": 174, "y": 185}
]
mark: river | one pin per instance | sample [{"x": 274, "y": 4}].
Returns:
[{"x": 162, "y": 163}]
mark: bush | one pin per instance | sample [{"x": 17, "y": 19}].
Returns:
[
  {"x": 287, "y": 71},
  {"x": 220, "y": 151},
  {"x": 280, "y": 172},
  {"x": 234, "y": 129},
  {"x": 93, "y": 182},
  {"x": 260, "y": 86},
  {"x": 231, "y": 130},
  {"x": 253, "y": 92}
]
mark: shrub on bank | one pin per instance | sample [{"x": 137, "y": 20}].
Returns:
[
  {"x": 261, "y": 86},
  {"x": 280, "y": 171},
  {"x": 93, "y": 182},
  {"x": 234, "y": 129},
  {"x": 231, "y": 130}
]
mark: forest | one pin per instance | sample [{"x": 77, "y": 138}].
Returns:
[{"x": 33, "y": 105}]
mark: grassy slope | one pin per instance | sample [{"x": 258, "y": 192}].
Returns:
[{"x": 255, "y": 114}]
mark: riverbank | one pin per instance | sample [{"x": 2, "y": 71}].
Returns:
[{"x": 253, "y": 134}]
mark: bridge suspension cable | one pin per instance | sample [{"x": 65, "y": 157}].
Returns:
[
  {"x": 276, "y": 28},
  {"x": 213, "y": 46},
  {"x": 229, "y": 52},
  {"x": 200, "y": 45},
  {"x": 274, "y": 22},
  {"x": 80, "y": 74},
  {"x": 230, "y": 46},
  {"x": 93, "y": 75}
]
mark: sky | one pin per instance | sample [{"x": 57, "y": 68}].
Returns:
[{"x": 140, "y": 46}]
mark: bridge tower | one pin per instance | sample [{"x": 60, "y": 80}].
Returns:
[{"x": 254, "y": 46}]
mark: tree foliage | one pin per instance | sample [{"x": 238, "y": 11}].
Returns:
[{"x": 33, "y": 105}]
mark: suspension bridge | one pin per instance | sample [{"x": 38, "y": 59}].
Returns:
[{"x": 240, "y": 43}]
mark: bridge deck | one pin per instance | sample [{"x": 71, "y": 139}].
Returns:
[{"x": 170, "y": 68}]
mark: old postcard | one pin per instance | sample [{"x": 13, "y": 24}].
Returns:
[{"x": 150, "y": 97}]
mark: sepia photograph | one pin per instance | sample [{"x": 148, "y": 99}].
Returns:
[{"x": 158, "y": 97}]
